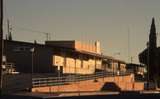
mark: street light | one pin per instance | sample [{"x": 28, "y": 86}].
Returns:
[
  {"x": 32, "y": 64},
  {"x": 32, "y": 51},
  {"x": 118, "y": 66}
]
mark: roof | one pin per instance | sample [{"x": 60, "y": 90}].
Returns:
[
  {"x": 112, "y": 58},
  {"x": 66, "y": 48},
  {"x": 90, "y": 53},
  {"x": 35, "y": 44},
  {"x": 133, "y": 65},
  {"x": 52, "y": 46}
]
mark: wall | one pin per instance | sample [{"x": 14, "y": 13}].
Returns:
[
  {"x": 98, "y": 48},
  {"x": 82, "y": 64},
  {"x": 43, "y": 60},
  {"x": 122, "y": 67},
  {"x": 85, "y": 47},
  {"x": 15, "y": 83},
  {"x": 98, "y": 64},
  {"x": 20, "y": 54},
  {"x": 76, "y": 64},
  {"x": 124, "y": 82},
  {"x": 66, "y": 44},
  {"x": 94, "y": 48},
  {"x": 58, "y": 60},
  {"x": 114, "y": 66},
  {"x": 76, "y": 44}
]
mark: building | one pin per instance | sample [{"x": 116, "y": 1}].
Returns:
[
  {"x": 25, "y": 60},
  {"x": 111, "y": 64},
  {"x": 137, "y": 69},
  {"x": 84, "y": 59},
  {"x": 64, "y": 57}
]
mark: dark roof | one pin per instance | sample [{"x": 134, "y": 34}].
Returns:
[
  {"x": 53, "y": 46},
  {"x": 35, "y": 44},
  {"x": 68, "y": 49},
  {"x": 112, "y": 58},
  {"x": 135, "y": 65},
  {"x": 90, "y": 53}
]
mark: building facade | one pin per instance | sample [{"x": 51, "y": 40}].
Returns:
[
  {"x": 83, "y": 59},
  {"x": 65, "y": 57}
]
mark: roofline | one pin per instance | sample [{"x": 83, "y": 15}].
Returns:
[
  {"x": 112, "y": 58},
  {"x": 70, "y": 49}
]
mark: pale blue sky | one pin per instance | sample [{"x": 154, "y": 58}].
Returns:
[{"x": 109, "y": 21}]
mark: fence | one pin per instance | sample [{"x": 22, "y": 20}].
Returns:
[
  {"x": 17, "y": 82},
  {"x": 53, "y": 81}
]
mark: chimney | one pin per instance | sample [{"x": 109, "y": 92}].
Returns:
[{"x": 98, "y": 49}]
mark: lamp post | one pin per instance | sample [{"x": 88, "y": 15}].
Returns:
[
  {"x": 32, "y": 51},
  {"x": 32, "y": 64},
  {"x": 118, "y": 54}
]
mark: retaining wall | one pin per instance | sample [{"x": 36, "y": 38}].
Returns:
[{"x": 125, "y": 83}]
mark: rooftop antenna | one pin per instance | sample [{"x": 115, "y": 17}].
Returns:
[
  {"x": 129, "y": 45},
  {"x": 48, "y": 36},
  {"x": 9, "y": 30}
]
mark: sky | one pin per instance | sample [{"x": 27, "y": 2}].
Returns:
[{"x": 122, "y": 26}]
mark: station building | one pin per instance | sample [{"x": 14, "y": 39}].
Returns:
[{"x": 66, "y": 57}]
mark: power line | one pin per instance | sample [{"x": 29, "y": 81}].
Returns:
[{"x": 48, "y": 35}]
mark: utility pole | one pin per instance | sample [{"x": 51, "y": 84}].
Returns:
[
  {"x": 8, "y": 26},
  {"x": 48, "y": 37},
  {"x": 148, "y": 58},
  {"x": 128, "y": 44},
  {"x": 1, "y": 40}
]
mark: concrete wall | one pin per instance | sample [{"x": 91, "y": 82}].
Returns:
[
  {"x": 58, "y": 61},
  {"x": 85, "y": 47},
  {"x": 98, "y": 64},
  {"x": 122, "y": 67},
  {"x": 84, "y": 65},
  {"x": 15, "y": 83},
  {"x": 20, "y": 54},
  {"x": 114, "y": 66},
  {"x": 66, "y": 44},
  {"x": 95, "y": 48},
  {"x": 98, "y": 48},
  {"x": 77, "y": 64},
  {"x": 44, "y": 59},
  {"x": 124, "y": 82}
]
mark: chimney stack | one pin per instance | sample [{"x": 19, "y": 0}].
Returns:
[{"x": 98, "y": 49}]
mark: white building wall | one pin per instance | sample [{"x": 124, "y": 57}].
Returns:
[
  {"x": 80, "y": 66},
  {"x": 58, "y": 61},
  {"x": 98, "y": 64}
]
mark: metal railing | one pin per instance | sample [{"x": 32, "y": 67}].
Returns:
[
  {"x": 53, "y": 81},
  {"x": 13, "y": 83}
]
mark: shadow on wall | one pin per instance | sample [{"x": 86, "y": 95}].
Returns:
[{"x": 110, "y": 86}]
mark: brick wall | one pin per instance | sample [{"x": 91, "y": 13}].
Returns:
[{"x": 123, "y": 82}]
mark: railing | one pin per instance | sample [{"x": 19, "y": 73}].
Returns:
[
  {"x": 53, "y": 81},
  {"x": 13, "y": 83},
  {"x": 9, "y": 68}
]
